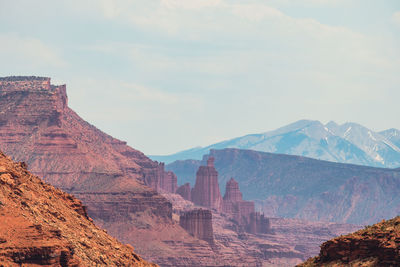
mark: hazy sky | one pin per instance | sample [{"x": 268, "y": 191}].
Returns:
[{"x": 172, "y": 74}]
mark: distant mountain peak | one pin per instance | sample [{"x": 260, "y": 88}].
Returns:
[{"x": 349, "y": 142}]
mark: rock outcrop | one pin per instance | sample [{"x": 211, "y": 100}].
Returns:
[
  {"x": 206, "y": 190},
  {"x": 376, "y": 245},
  {"x": 41, "y": 225},
  {"x": 185, "y": 191},
  {"x": 198, "y": 223}
]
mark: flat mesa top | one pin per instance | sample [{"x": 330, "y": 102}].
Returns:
[{"x": 23, "y": 78}]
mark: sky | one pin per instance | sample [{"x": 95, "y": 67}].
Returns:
[{"x": 167, "y": 75}]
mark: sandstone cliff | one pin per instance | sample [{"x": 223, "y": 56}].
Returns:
[
  {"x": 37, "y": 126},
  {"x": 41, "y": 225},
  {"x": 376, "y": 245}
]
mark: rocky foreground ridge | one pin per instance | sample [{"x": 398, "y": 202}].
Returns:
[
  {"x": 376, "y": 245},
  {"x": 41, "y": 225}
]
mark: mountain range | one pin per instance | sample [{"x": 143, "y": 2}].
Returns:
[{"x": 345, "y": 143}]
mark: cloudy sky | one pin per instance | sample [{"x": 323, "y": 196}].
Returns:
[{"x": 166, "y": 75}]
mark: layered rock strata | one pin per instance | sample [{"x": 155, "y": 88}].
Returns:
[
  {"x": 198, "y": 223},
  {"x": 37, "y": 126},
  {"x": 206, "y": 190},
  {"x": 41, "y": 225}
]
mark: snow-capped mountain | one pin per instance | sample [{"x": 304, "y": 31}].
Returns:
[{"x": 346, "y": 143}]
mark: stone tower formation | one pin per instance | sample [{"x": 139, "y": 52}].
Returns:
[
  {"x": 206, "y": 190},
  {"x": 235, "y": 205},
  {"x": 206, "y": 193}
]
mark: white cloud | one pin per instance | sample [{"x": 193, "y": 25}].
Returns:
[
  {"x": 307, "y": 3},
  {"x": 396, "y": 18},
  {"x": 195, "y": 68},
  {"x": 192, "y": 4}
]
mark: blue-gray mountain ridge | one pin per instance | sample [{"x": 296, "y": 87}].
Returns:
[{"x": 345, "y": 143}]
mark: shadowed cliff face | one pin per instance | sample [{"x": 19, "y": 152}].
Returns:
[
  {"x": 41, "y": 225},
  {"x": 299, "y": 187}
]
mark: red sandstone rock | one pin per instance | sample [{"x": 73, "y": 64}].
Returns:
[
  {"x": 206, "y": 190},
  {"x": 41, "y": 225},
  {"x": 37, "y": 126},
  {"x": 184, "y": 191},
  {"x": 198, "y": 223}
]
